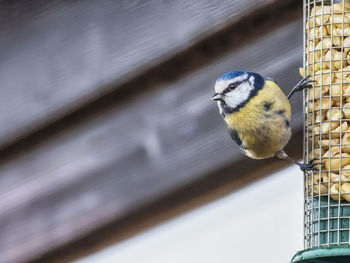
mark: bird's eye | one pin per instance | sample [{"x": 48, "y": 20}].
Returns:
[{"x": 232, "y": 86}]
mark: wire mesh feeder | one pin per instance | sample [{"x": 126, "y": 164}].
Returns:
[{"x": 327, "y": 131}]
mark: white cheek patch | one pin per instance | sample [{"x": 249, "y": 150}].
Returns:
[{"x": 239, "y": 94}]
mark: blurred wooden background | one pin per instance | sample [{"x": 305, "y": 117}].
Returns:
[{"x": 106, "y": 124}]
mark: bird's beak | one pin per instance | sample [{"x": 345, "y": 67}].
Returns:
[{"x": 217, "y": 96}]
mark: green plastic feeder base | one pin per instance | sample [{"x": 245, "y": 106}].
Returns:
[{"x": 332, "y": 254}]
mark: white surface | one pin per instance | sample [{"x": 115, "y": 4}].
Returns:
[{"x": 260, "y": 223}]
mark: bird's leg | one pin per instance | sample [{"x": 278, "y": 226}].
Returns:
[
  {"x": 301, "y": 85},
  {"x": 305, "y": 167}
]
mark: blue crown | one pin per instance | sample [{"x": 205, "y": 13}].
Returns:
[{"x": 231, "y": 75}]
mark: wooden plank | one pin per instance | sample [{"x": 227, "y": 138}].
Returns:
[
  {"x": 127, "y": 157},
  {"x": 55, "y": 56},
  {"x": 209, "y": 188},
  {"x": 203, "y": 52}
]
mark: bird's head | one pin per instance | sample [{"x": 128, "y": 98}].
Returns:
[{"x": 234, "y": 89}]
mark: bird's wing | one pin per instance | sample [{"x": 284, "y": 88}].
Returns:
[{"x": 234, "y": 135}]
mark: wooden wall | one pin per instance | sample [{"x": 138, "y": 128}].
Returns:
[{"x": 106, "y": 123}]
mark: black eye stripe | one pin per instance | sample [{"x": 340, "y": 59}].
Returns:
[{"x": 236, "y": 85}]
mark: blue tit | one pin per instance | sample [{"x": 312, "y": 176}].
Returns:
[{"x": 257, "y": 114}]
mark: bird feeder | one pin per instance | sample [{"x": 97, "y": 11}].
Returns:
[{"x": 327, "y": 132}]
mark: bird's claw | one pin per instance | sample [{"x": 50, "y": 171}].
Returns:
[
  {"x": 303, "y": 84},
  {"x": 310, "y": 166}
]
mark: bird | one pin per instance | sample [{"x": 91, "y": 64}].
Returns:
[{"x": 257, "y": 114}]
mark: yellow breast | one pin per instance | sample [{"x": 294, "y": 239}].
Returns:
[{"x": 263, "y": 123}]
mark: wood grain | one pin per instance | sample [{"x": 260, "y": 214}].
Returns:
[
  {"x": 117, "y": 162},
  {"x": 57, "y": 55},
  {"x": 107, "y": 118}
]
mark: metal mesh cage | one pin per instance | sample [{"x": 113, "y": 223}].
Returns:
[{"x": 327, "y": 119}]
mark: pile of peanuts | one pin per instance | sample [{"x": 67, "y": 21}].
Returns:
[{"x": 328, "y": 102}]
